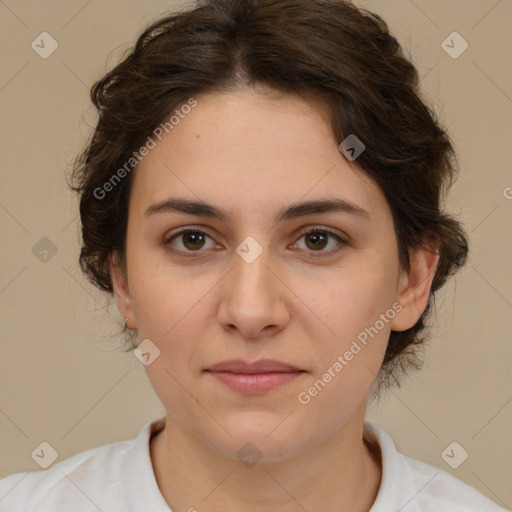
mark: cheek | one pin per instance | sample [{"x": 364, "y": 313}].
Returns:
[
  {"x": 350, "y": 343},
  {"x": 165, "y": 297},
  {"x": 349, "y": 362},
  {"x": 171, "y": 314},
  {"x": 348, "y": 303}
]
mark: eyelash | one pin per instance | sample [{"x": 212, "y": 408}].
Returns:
[{"x": 315, "y": 254}]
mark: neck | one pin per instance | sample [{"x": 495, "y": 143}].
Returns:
[{"x": 342, "y": 472}]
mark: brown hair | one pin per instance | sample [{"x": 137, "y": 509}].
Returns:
[{"x": 330, "y": 49}]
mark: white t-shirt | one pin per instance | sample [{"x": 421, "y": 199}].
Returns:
[{"x": 119, "y": 477}]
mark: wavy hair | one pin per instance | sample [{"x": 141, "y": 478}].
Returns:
[{"x": 329, "y": 49}]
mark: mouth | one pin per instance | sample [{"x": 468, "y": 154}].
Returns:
[{"x": 254, "y": 378}]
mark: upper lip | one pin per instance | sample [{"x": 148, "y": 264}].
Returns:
[{"x": 261, "y": 366}]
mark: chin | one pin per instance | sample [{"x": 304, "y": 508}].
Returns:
[{"x": 258, "y": 436}]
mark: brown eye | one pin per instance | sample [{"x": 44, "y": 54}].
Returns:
[
  {"x": 317, "y": 239},
  {"x": 189, "y": 241},
  {"x": 192, "y": 240}
]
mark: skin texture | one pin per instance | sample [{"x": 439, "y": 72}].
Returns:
[{"x": 253, "y": 152}]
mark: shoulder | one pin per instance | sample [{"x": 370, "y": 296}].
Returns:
[
  {"x": 79, "y": 479},
  {"x": 410, "y": 485},
  {"x": 440, "y": 491}
]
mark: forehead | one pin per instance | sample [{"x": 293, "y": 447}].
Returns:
[{"x": 252, "y": 150}]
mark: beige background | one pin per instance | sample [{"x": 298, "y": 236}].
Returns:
[{"x": 61, "y": 380}]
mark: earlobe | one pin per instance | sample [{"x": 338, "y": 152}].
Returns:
[{"x": 414, "y": 287}]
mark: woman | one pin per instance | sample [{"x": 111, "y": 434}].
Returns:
[{"x": 262, "y": 197}]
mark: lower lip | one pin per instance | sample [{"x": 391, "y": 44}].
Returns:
[{"x": 253, "y": 383}]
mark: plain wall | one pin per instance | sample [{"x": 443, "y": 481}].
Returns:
[{"x": 61, "y": 382}]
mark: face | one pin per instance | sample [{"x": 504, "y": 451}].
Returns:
[{"x": 301, "y": 288}]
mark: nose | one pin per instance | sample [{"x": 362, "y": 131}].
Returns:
[{"x": 254, "y": 297}]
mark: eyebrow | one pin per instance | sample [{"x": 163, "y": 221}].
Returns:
[{"x": 293, "y": 211}]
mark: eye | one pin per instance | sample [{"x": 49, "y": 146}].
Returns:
[
  {"x": 193, "y": 240},
  {"x": 317, "y": 239}
]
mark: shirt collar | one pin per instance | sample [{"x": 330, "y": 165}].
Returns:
[
  {"x": 140, "y": 481},
  {"x": 396, "y": 489}
]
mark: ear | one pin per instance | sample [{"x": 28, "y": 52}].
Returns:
[
  {"x": 121, "y": 290},
  {"x": 414, "y": 286}
]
